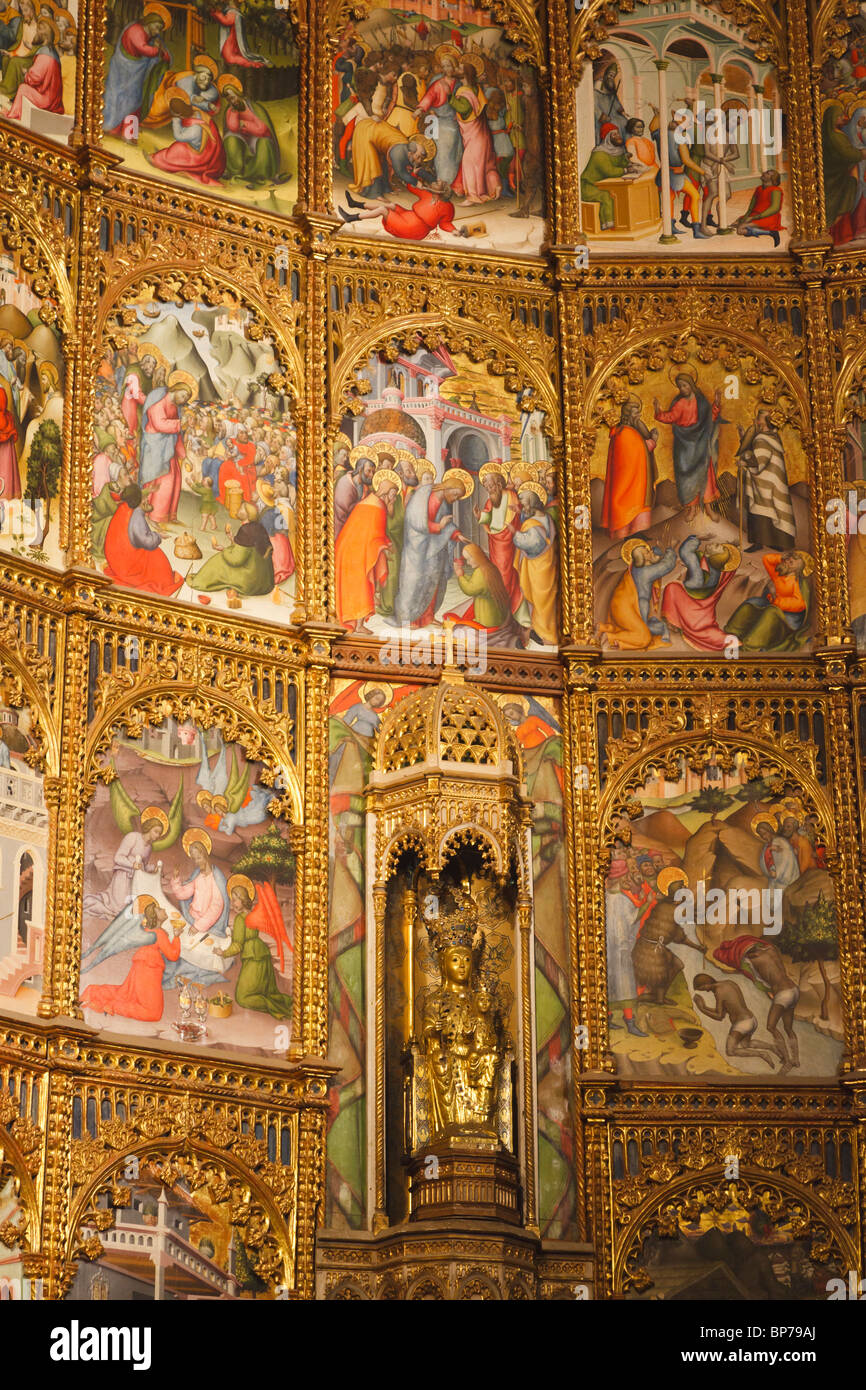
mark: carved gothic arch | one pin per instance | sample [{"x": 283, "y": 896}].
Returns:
[
  {"x": 635, "y": 355},
  {"x": 188, "y": 278},
  {"x": 483, "y": 343},
  {"x": 151, "y": 699},
  {"x": 623, "y": 788},
  {"x": 658, "y": 1211},
  {"x": 100, "y": 1166},
  {"x": 762, "y": 26}
]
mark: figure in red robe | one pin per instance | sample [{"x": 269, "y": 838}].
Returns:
[
  {"x": 429, "y": 211},
  {"x": 132, "y": 549},
  {"x": 42, "y": 83},
  {"x": 10, "y": 478},
  {"x": 197, "y": 149},
  {"x": 240, "y": 467},
  {"x": 140, "y": 995}
]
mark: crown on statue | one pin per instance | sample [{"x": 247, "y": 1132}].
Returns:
[{"x": 457, "y": 926}]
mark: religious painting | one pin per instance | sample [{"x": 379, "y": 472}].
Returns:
[
  {"x": 31, "y": 417},
  {"x": 23, "y": 864},
  {"x": 206, "y": 96},
  {"x": 38, "y": 44},
  {"x": 356, "y": 712},
  {"x": 188, "y": 896},
  {"x": 169, "y": 1237},
  {"x": 446, "y": 511},
  {"x": 537, "y": 725},
  {"x": 194, "y": 466},
  {"x": 700, "y": 510},
  {"x": 843, "y": 136},
  {"x": 681, "y": 138},
  {"x": 438, "y": 131},
  {"x": 746, "y": 1249},
  {"x": 847, "y": 516},
  {"x": 722, "y": 947}
]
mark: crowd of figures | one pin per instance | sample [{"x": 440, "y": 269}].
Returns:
[
  {"x": 642, "y": 612},
  {"x": 199, "y": 106},
  {"x": 626, "y": 149},
  {"x": 38, "y": 40},
  {"x": 682, "y": 951},
  {"x": 453, "y": 122},
  {"x": 171, "y": 466},
  {"x": 401, "y": 556},
  {"x": 183, "y": 892}
]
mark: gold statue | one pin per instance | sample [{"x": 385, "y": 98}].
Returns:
[{"x": 462, "y": 1037}]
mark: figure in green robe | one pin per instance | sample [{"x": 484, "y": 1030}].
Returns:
[
  {"x": 484, "y": 582},
  {"x": 256, "y": 986},
  {"x": 607, "y": 161},
  {"x": 102, "y": 510},
  {"x": 394, "y": 531},
  {"x": 840, "y": 158},
  {"x": 246, "y": 566},
  {"x": 249, "y": 139},
  {"x": 777, "y": 620}
]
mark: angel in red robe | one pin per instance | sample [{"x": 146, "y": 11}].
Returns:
[{"x": 140, "y": 995}]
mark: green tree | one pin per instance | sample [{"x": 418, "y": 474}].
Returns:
[
  {"x": 268, "y": 858},
  {"x": 812, "y": 935},
  {"x": 711, "y": 799},
  {"x": 43, "y": 467}
]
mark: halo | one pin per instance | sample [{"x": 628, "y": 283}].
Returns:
[
  {"x": 204, "y": 799},
  {"x": 514, "y": 698},
  {"x": 768, "y": 817},
  {"x": 144, "y": 900},
  {"x": 161, "y": 11},
  {"x": 529, "y": 486},
  {"x": 458, "y": 477},
  {"x": 446, "y": 50},
  {"x": 808, "y": 562},
  {"x": 196, "y": 837},
  {"x": 630, "y": 546},
  {"x": 266, "y": 492},
  {"x": 180, "y": 378},
  {"x": 384, "y": 477},
  {"x": 229, "y": 81},
  {"x": 240, "y": 881},
  {"x": 370, "y": 686},
  {"x": 682, "y": 371},
  {"x": 201, "y": 60},
  {"x": 520, "y": 472},
  {"x": 496, "y": 466},
  {"x": 406, "y": 456},
  {"x": 733, "y": 559},
  {"x": 669, "y": 876},
  {"x": 155, "y": 813},
  {"x": 343, "y": 441},
  {"x": 383, "y": 450},
  {"x": 424, "y": 465},
  {"x": 46, "y": 19},
  {"x": 363, "y": 451},
  {"x": 219, "y": 805}
]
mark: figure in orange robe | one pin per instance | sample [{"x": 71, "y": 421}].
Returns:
[
  {"x": 361, "y": 560},
  {"x": 132, "y": 549},
  {"x": 140, "y": 995},
  {"x": 629, "y": 484}
]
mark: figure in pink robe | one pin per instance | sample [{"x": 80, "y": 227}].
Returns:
[
  {"x": 478, "y": 180},
  {"x": 41, "y": 85}
]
